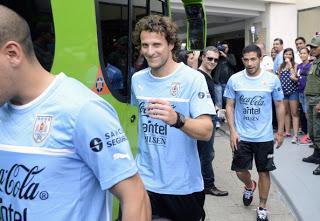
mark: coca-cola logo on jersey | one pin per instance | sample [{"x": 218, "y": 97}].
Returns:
[
  {"x": 251, "y": 107},
  {"x": 143, "y": 109},
  {"x": 256, "y": 100},
  {"x": 19, "y": 182}
]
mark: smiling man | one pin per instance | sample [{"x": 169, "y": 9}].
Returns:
[
  {"x": 300, "y": 44},
  {"x": 249, "y": 98},
  {"x": 278, "y": 46},
  {"x": 210, "y": 58},
  {"x": 174, "y": 112}
]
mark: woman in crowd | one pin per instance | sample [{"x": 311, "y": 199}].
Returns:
[
  {"x": 302, "y": 72},
  {"x": 289, "y": 81},
  {"x": 273, "y": 53}
]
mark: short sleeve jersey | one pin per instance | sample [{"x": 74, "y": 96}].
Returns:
[
  {"x": 277, "y": 62},
  {"x": 253, "y": 104},
  {"x": 59, "y": 155},
  {"x": 167, "y": 160}
]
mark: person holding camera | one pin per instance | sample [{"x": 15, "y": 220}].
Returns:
[{"x": 222, "y": 73}]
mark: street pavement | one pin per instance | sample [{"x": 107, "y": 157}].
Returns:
[
  {"x": 297, "y": 183},
  {"x": 231, "y": 208}
]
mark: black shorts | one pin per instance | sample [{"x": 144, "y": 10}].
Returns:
[
  {"x": 262, "y": 152},
  {"x": 178, "y": 207}
]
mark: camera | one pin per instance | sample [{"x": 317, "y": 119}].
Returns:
[{"x": 220, "y": 47}]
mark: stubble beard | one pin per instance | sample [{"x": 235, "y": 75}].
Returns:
[
  {"x": 254, "y": 72},
  {"x": 159, "y": 67}
]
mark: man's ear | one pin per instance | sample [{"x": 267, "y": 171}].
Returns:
[
  {"x": 171, "y": 46},
  {"x": 14, "y": 52}
]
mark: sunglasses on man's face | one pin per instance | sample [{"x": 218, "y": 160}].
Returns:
[{"x": 213, "y": 59}]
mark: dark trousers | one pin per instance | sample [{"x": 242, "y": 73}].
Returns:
[
  {"x": 303, "y": 121},
  {"x": 178, "y": 207},
  {"x": 206, "y": 154},
  {"x": 314, "y": 120}
]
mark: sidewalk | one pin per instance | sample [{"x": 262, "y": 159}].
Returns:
[
  {"x": 294, "y": 193},
  {"x": 297, "y": 183},
  {"x": 231, "y": 208}
]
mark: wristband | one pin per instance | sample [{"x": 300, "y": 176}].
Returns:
[{"x": 180, "y": 121}]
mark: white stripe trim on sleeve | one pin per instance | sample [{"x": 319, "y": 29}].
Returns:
[
  {"x": 36, "y": 150},
  {"x": 254, "y": 89}
]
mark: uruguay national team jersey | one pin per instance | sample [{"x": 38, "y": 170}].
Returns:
[
  {"x": 253, "y": 104},
  {"x": 168, "y": 160},
  {"x": 59, "y": 154}
]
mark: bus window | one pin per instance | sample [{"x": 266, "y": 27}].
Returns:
[
  {"x": 158, "y": 8},
  {"x": 114, "y": 31},
  {"x": 140, "y": 9},
  {"x": 118, "y": 58},
  {"x": 196, "y": 39},
  {"x": 38, "y": 14}
]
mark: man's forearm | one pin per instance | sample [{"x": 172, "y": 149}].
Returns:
[
  {"x": 199, "y": 128},
  {"x": 134, "y": 199},
  {"x": 280, "y": 112},
  {"x": 132, "y": 211},
  {"x": 230, "y": 118}
]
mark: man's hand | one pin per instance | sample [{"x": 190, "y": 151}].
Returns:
[
  {"x": 199, "y": 128},
  {"x": 234, "y": 140},
  {"x": 278, "y": 140},
  {"x": 162, "y": 110},
  {"x": 223, "y": 54}
]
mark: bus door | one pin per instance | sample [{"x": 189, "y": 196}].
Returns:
[{"x": 118, "y": 58}]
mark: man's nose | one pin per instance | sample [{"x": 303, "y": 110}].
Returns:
[{"x": 150, "y": 50}]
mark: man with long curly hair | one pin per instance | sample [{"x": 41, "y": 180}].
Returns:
[{"x": 174, "y": 112}]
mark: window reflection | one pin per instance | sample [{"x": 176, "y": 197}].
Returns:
[
  {"x": 38, "y": 15},
  {"x": 120, "y": 58}
]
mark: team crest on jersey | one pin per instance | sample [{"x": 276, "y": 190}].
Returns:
[
  {"x": 41, "y": 128},
  {"x": 264, "y": 83},
  {"x": 175, "y": 88}
]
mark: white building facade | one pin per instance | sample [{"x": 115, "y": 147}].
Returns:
[{"x": 234, "y": 19}]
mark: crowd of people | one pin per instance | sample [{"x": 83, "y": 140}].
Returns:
[
  {"x": 299, "y": 74},
  {"x": 289, "y": 99},
  {"x": 60, "y": 159}
]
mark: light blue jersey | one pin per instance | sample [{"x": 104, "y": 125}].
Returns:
[
  {"x": 277, "y": 62},
  {"x": 59, "y": 155},
  {"x": 168, "y": 159},
  {"x": 253, "y": 104}
]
